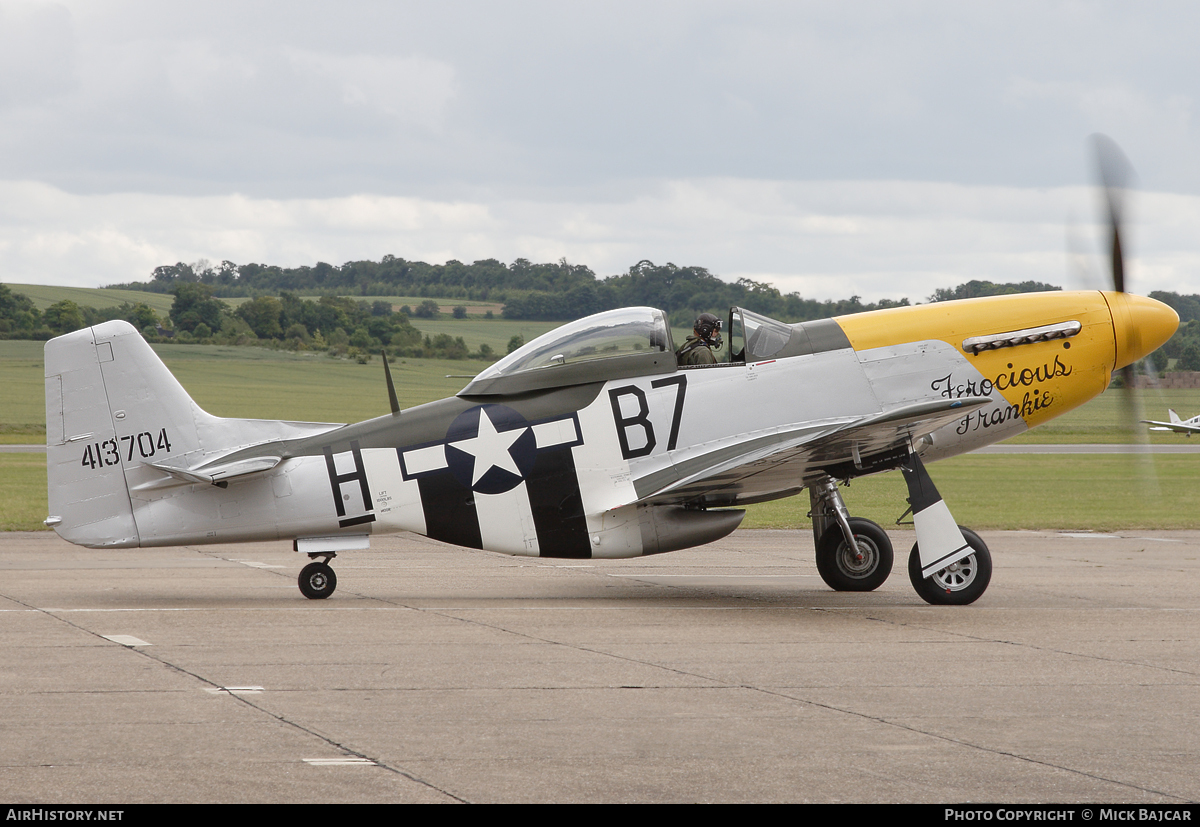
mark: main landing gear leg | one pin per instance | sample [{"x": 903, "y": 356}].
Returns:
[
  {"x": 853, "y": 554},
  {"x": 949, "y": 565},
  {"x": 317, "y": 580}
]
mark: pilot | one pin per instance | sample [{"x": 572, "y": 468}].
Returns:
[{"x": 705, "y": 338}]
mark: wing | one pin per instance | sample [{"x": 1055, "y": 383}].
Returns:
[
  {"x": 1177, "y": 427},
  {"x": 766, "y": 467}
]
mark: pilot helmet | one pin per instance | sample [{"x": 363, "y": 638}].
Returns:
[{"x": 708, "y": 327}]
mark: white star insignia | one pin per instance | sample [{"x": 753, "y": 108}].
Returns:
[{"x": 490, "y": 448}]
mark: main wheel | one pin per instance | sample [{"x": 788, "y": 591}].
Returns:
[
  {"x": 317, "y": 581},
  {"x": 959, "y": 583},
  {"x": 861, "y": 569}
]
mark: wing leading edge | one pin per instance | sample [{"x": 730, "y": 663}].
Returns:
[{"x": 726, "y": 475}]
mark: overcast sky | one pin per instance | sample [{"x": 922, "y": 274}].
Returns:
[{"x": 880, "y": 149}]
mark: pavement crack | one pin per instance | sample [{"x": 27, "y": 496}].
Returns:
[
  {"x": 1036, "y": 648},
  {"x": 283, "y": 719},
  {"x": 722, "y": 684}
]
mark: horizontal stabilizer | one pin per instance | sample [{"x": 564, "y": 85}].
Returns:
[{"x": 217, "y": 472}]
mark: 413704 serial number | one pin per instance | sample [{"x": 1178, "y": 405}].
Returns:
[{"x": 108, "y": 452}]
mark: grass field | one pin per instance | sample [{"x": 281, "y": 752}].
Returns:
[
  {"x": 1028, "y": 491},
  {"x": 250, "y": 382},
  {"x": 22, "y": 392},
  {"x": 44, "y": 295},
  {"x": 475, "y": 329},
  {"x": 495, "y": 332},
  {"x": 1047, "y": 491},
  {"x": 22, "y": 492},
  {"x": 1106, "y": 418}
]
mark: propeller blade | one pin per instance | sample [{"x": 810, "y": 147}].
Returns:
[
  {"x": 1116, "y": 178},
  {"x": 1116, "y": 175}
]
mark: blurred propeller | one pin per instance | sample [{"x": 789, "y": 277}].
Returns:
[
  {"x": 1115, "y": 173},
  {"x": 1116, "y": 176}
]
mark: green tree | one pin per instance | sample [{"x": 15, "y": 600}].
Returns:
[
  {"x": 141, "y": 316},
  {"x": 263, "y": 315},
  {"x": 17, "y": 312},
  {"x": 63, "y": 317},
  {"x": 977, "y": 288},
  {"x": 427, "y": 309},
  {"x": 1190, "y": 360},
  {"x": 194, "y": 303},
  {"x": 1158, "y": 360}
]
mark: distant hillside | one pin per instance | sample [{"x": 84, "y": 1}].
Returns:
[
  {"x": 44, "y": 295},
  {"x": 549, "y": 291},
  {"x": 556, "y": 291},
  {"x": 233, "y": 303},
  {"x": 357, "y": 327}
]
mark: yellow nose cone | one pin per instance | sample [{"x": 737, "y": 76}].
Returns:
[{"x": 1140, "y": 326}]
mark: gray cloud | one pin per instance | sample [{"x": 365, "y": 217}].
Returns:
[
  {"x": 824, "y": 239},
  {"x": 528, "y": 111}
]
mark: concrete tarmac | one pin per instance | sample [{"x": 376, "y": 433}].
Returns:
[{"x": 728, "y": 673}]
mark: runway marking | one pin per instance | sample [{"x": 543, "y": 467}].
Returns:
[
  {"x": 255, "y": 565},
  {"x": 126, "y": 640},
  {"x": 346, "y": 761},
  {"x": 234, "y": 690},
  {"x": 1088, "y": 535}
]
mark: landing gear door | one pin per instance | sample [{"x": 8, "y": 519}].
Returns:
[{"x": 737, "y": 336}]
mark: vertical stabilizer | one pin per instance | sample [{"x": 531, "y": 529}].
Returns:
[{"x": 111, "y": 405}]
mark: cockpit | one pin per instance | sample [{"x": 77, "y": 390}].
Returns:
[
  {"x": 631, "y": 341},
  {"x": 637, "y": 341}
]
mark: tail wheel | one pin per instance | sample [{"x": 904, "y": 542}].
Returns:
[
  {"x": 317, "y": 581},
  {"x": 959, "y": 583},
  {"x": 861, "y": 569}
]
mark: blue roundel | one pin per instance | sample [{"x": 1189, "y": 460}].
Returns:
[{"x": 490, "y": 449}]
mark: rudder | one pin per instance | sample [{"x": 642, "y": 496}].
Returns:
[{"x": 111, "y": 404}]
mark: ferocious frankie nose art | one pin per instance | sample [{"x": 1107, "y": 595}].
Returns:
[{"x": 591, "y": 442}]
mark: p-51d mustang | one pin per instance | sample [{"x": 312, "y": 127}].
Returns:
[{"x": 590, "y": 442}]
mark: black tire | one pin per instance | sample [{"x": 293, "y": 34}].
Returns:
[
  {"x": 846, "y": 571},
  {"x": 956, "y": 585},
  {"x": 317, "y": 581}
]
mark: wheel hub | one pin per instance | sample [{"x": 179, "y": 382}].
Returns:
[
  {"x": 957, "y": 575},
  {"x": 859, "y": 560}
]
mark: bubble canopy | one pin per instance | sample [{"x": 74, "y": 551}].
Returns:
[{"x": 631, "y": 341}]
